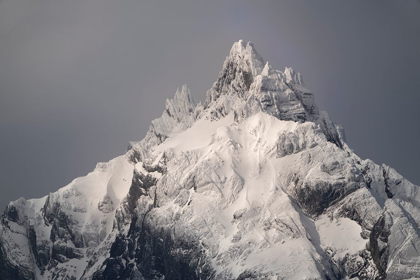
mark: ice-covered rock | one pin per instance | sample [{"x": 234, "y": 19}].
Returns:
[{"x": 180, "y": 113}]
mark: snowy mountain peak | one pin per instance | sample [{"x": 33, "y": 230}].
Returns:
[
  {"x": 239, "y": 70},
  {"x": 246, "y": 57},
  {"x": 257, "y": 183},
  {"x": 247, "y": 86}
]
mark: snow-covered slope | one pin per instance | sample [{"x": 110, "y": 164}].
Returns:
[{"x": 256, "y": 183}]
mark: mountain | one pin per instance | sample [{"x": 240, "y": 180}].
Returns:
[{"x": 255, "y": 183}]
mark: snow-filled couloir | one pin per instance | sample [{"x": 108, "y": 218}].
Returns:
[{"x": 256, "y": 183}]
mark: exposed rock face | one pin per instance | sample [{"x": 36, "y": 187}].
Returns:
[{"x": 257, "y": 183}]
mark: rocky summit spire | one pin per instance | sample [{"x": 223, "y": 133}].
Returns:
[
  {"x": 245, "y": 76},
  {"x": 246, "y": 85},
  {"x": 246, "y": 57},
  {"x": 239, "y": 70}
]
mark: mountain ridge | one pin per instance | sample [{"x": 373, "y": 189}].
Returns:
[{"x": 255, "y": 183}]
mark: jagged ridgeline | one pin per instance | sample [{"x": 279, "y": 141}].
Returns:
[{"x": 256, "y": 183}]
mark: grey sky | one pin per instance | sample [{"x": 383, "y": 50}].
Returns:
[{"x": 81, "y": 78}]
